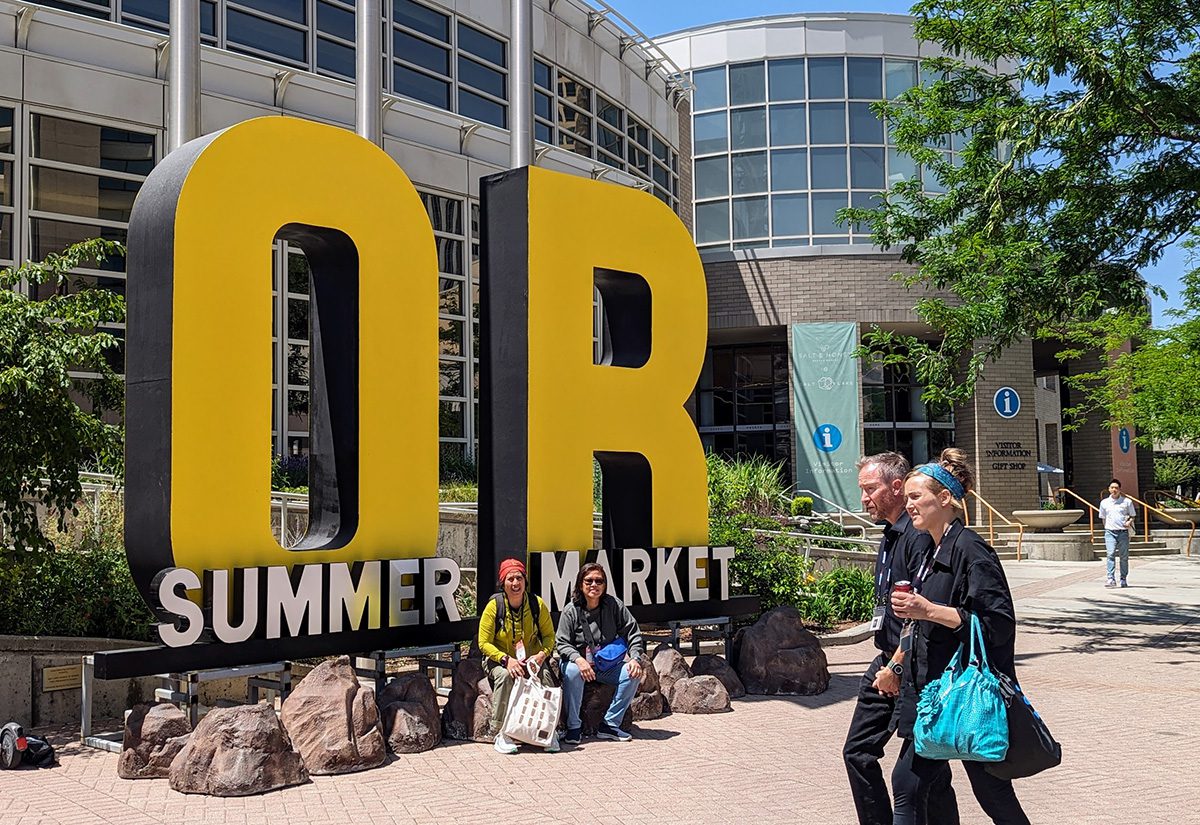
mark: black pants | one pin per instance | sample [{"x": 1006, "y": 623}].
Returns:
[
  {"x": 869, "y": 732},
  {"x": 912, "y": 781}
]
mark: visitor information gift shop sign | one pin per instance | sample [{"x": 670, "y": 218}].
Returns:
[{"x": 367, "y": 575}]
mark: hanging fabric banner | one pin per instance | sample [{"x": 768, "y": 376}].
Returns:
[{"x": 825, "y": 397}]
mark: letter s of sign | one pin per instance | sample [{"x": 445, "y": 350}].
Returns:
[{"x": 198, "y": 409}]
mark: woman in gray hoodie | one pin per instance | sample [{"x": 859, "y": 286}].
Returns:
[{"x": 598, "y": 638}]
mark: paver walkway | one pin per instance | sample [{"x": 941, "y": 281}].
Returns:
[{"x": 1115, "y": 672}]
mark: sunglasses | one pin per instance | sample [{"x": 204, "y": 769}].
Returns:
[{"x": 594, "y": 581}]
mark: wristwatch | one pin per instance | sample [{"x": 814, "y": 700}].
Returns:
[
  {"x": 504, "y": 661},
  {"x": 895, "y": 667}
]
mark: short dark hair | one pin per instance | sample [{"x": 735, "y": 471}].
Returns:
[
  {"x": 892, "y": 466},
  {"x": 1116, "y": 481}
]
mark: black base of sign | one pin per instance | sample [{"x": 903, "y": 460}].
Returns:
[
  {"x": 148, "y": 661},
  {"x": 682, "y": 611}
]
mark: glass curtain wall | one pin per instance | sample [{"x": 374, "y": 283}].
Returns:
[
  {"x": 896, "y": 416},
  {"x": 431, "y": 55},
  {"x": 781, "y": 145},
  {"x": 742, "y": 406}
]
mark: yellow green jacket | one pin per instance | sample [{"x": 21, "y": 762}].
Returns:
[{"x": 496, "y": 644}]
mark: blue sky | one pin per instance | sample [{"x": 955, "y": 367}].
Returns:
[{"x": 661, "y": 16}]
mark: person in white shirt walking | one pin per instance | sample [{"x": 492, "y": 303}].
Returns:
[{"x": 1117, "y": 512}]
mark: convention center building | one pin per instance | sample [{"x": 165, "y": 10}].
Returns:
[{"x": 755, "y": 132}]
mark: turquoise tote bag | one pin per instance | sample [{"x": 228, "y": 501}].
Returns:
[{"x": 962, "y": 714}]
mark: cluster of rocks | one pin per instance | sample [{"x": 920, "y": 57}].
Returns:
[{"x": 331, "y": 724}]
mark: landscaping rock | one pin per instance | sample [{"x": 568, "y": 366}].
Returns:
[
  {"x": 237, "y": 752},
  {"x": 699, "y": 694},
  {"x": 154, "y": 734},
  {"x": 710, "y": 664},
  {"x": 333, "y": 721},
  {"x": 777, "y": 655},
  {"x": 458, "y": 716},
  {"x": 650, "y": 681},
  {"x": 409, "y": 708},
  {"x": 645, "y": 706},
  {"x": 670, "y": 666},
  {"x": 597, "y": 696},
  {"x": 481, "y": 724}
]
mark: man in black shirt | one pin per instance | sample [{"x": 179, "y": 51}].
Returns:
[{"x": 881, "y": 480}]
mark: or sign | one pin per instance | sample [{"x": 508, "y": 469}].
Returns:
[
  {"x": 62, "y": 677},
  {"x": 366, "y": 576},
  {"x": 825, "y": 398},
  {"x": 1007, "y": 402},
  {"x": 1123, "y": 440}
]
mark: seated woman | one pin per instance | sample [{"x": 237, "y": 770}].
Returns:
[
  {"x": 515, "y": 629},
  {"x": 958, "y": 578},
  {"x": 591, "y": 631}
]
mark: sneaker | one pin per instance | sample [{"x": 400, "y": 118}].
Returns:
[
  {"x": 553, "y": 746},
  {"x": 1124, "y": 583},
  {"x": 1110, "y": 583},
  {"x": 572, "y": 736},
  {"x": 504, "y": 745},
  {"x": 615, "y": 734}
]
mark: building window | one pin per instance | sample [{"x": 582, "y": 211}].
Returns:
[
  {"x": 742, "y": 403},
  {"x": 8, "y": 197},
  {"x": 896, "y": 416}
]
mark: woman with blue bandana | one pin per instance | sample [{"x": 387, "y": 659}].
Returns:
[{"x": 959, "y": 578}]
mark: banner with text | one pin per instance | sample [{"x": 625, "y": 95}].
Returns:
[{"x": 825, "y": 397}]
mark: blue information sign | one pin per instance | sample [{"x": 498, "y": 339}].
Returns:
[
  {"x": 1007, "y": 402},
  {"x": 1123, "y": 439},
  {"x": 827, "y": 437}
]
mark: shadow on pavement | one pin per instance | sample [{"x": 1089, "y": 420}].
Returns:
[{"x": 1130, "y": 623}]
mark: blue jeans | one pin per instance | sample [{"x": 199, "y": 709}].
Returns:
[
  {"x": 573, "y": 693},
  {"x": 1117, "y": 541}
]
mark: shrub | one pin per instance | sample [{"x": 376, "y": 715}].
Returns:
[
  {"x": 777, "y": 576},
  {"x": 802, "y": 506},
  {"x": 1052, "y": 504},
  {"x": 454, "y": 465},
  {"x": 744, "y": 485},
  {"x": 850, "y": 592},
  {"x": 827, "y": 528},
  {"x": 81, "y": 587},
  {"x": 289, "y": 473}
]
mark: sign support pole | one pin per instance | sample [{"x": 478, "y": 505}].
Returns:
[
  {"x": 183, "y": 74},
  {"x": 368, "y": 72}
]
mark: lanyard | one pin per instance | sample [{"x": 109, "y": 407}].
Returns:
[
  {"x": 883, "y": 581},
  {"x": 927, "y": 562}
]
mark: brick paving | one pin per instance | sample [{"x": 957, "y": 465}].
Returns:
[{"x": 1115, "y": 672}]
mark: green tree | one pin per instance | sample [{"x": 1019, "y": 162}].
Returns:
[
  {"x": 1076, "y": 126},
  {"x": 54, "y": 425},
  {"x": 1153, "y": 386}
]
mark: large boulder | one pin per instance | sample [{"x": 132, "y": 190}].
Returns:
[
  {"x": 699, "y": 694},
  {"x": 409, "y": 708},
  {"x": 237, "y": 751},
  {"x": 646, "y": 706},
  {"x": 154, "y": 734},
  {"x": 777, "y": 655},
  {"x": 710, "y": 664},
  {"x": 333, "y": 720},
  {"x": 481, "y": 721},
  {"x": 597, "y": 696},
  {"x": 650, "y": 681},
  {"x": 670, "y": 667},
  {"x": 458, "y": 716}
]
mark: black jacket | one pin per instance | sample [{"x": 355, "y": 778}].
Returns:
[
  {"x": 965, "y": 574},
  {"x": 904, "y": 546}
]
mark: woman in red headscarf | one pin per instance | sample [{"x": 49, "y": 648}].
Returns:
[{"x": 514, "y": 630}]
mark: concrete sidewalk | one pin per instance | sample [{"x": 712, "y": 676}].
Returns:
[{"x": 1116, "y": 673}]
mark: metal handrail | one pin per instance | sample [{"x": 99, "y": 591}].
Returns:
[
  {"x": 992, "y": 512},
  {"x": 630, "y": 35},
  {"x": 1148, "y": 508},
  {"x": 1092, "y": 509},
  {"x": 842, "y": 511},
  {"x": 809, "y": 540},
  {"x": 1159, "y": 495}
]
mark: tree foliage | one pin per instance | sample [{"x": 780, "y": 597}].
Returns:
[
  {"x": 53, "y": 425},
  {"x": 1077, "y": 124},
  {"x": 1154, "y": 386}
]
